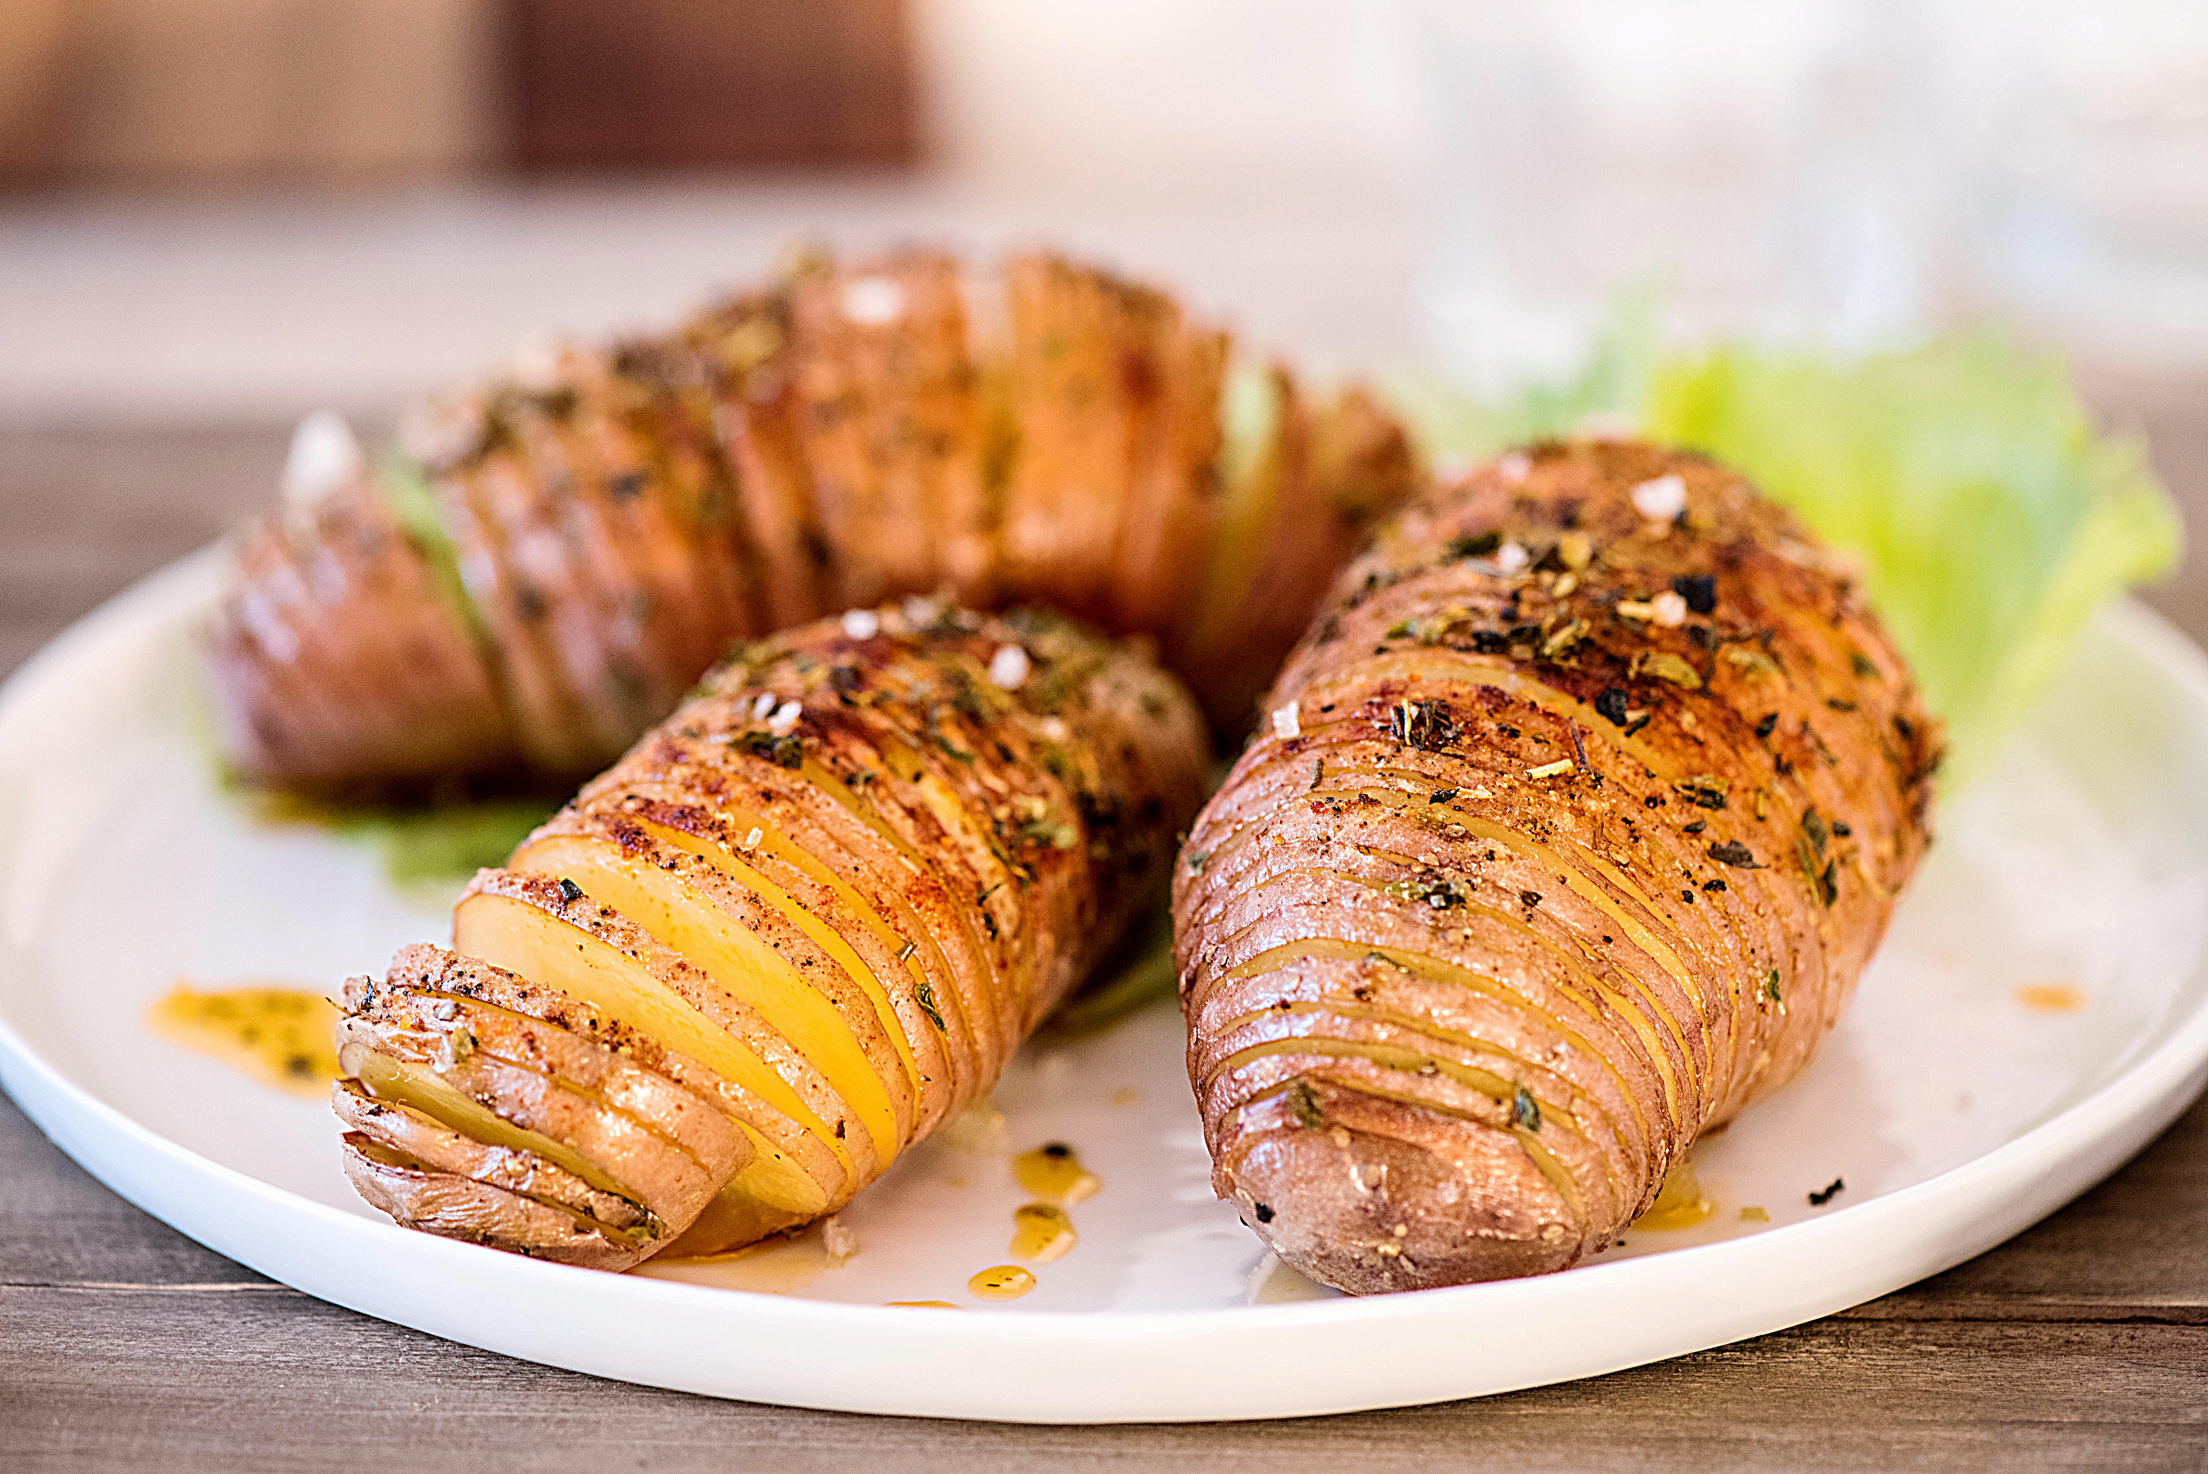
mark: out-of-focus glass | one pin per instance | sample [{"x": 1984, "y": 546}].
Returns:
[
  {"x": 1762, "y": 166},
  {"x": 2081, "y": 139}
]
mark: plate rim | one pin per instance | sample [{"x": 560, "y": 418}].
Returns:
[{"x": 1998, "y": 1193}]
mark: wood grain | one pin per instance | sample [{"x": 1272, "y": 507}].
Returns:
[{"x": 2081, "y": 1344}]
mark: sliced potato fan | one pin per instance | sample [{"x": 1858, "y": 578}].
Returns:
[
  {"x": 800, "y": 923},
  {"x": 1584, "y": 804},
  {"x": 554, "y": 556}
]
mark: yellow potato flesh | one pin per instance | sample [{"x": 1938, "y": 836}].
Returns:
[
  {"x": 1251, "y": 410},
  {"x": 909, "y": 947},
  {"x": 422, "y": 1088},
  {"x": 824, "y": 936},
  {"x": 518, "y": 937},
  {"x": 863, "y": 811},
  {"x": 688, "y": 922}
]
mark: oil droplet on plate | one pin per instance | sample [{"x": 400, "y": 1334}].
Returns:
[
  {"x": 781, "y": 1264},
  {"x": 922, "y": 1305},
  {"x": 1754, "y": 1215},
  {"x": 1679, "y": 1202},
  {"x": 1274, "y": 1283},
  {"x": 1054, "y": 1172},
  {"x": 1003, "y": 1282},
  {"x": 1042, "y": 1232},
  {"x": 281, "y": 1036},
  {"x": 2051, "y": 997}
]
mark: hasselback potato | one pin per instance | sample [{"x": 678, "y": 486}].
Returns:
[
  {"x": 800, "y": 922},
  {"x": 1583, "y": 803},
  {"x": 552, "y": 558}
]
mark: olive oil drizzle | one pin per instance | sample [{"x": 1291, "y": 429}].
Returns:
[{"x": 281, "y": 1036}]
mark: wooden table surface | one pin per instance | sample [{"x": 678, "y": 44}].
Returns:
[{"x": 2081, "y": 1344}]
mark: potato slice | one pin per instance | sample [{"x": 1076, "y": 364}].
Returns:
[
  {"x": 340, "y": 660},
  {"x": 459, "y": 1207},
  {"x": 531, "y": 926},
  {"x": 1087, "y": 392},
  {"x": 890, "y": 423},
  {"x": 565, "y": 1127},
  {"x": 859, "y": 890},
  {"x": 754, "y": 947},
  {"x": 695, "y": 1147},
  {"x": 1172, "y": 505},
  {"x": 743, "y": 346},
  {"x": 417, "y": 1135},
  {"x": 781, "y": 1186}
]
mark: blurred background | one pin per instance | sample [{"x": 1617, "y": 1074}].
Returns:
[{"x": 218, "y": 214}]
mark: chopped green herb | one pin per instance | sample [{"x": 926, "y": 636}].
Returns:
[
  {"x": 1525, "y": 1110},
  {"x": 1304, "y": 1106},
  {"x": 1441, "y": 795},
  {"x": 786, "y": 752},
  {"x": 1771, "y": 985},
  {"x": 1665, "y": 666},
  {"x": 1732, "y": 852},
  {"x": 1563, "y": 639},
  {"x": 924, "y": 995},
  {"x": 1704, "y": 790},
  {"x": 1751, "y": 660}
]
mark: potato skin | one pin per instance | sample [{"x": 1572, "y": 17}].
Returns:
[
  {"x": 337, "y": 660},
  {"x": 1583, "y": 825}
]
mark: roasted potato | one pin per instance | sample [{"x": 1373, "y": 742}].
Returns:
[
  {"x": 802, "y": 921},
  {"x": 1581, "y": 806},
  {"x": 599, "y": 524}
]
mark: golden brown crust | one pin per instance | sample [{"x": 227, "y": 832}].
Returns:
[
  {"x": 889, "y": 423},
  {"x": 1576, "y": 829}
]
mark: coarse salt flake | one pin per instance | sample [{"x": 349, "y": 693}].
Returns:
[
  {"x": 873, "y": 301},
  {"x": 1054, "y": 728},
  {"x": 751, "y": 840},
  {"x": 861, "y": 624},
  {"x": 1513, "y": 468},
  {"x": 1668, "y": 609},
  {"x": 1285, "y": 721},
  {"x": 784, "y": 718},
  {"x": 1511, "y": 557},
  {"x": 1661, "y": 499},
  {"x": 1008, "y": 668},
  {"x": 763, "y": 707}
]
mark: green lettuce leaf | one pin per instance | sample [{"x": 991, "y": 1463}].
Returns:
[{"x": 1991, "y": 518}]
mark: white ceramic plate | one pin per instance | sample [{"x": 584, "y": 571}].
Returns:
[{"x": 1955, "y": 1113}]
